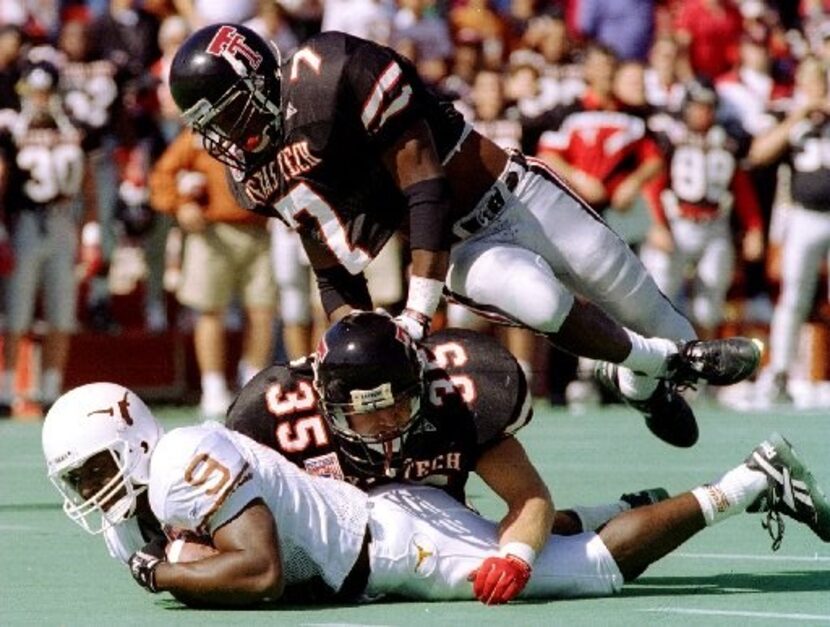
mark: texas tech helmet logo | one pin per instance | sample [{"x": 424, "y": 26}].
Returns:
[{"x": 228, "y": 40}]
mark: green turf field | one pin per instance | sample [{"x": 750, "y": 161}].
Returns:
[{"x": 52, "y": 573}]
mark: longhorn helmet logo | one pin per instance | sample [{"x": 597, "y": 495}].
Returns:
[{"x": 228, "y": 40}]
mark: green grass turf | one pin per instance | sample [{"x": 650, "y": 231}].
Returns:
[{"x": 52, "y": 573}]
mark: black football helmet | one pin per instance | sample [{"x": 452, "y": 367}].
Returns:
[
  {"x": 365, "y": 363},
  {"x": 225, "y": 79}
]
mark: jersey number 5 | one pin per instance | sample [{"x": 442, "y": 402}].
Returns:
[{"x": 446, "y": 356}]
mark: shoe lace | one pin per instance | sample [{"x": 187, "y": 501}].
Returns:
[
  {"x": 680, "y": 375},
  {"x": 773, "y": 522}
]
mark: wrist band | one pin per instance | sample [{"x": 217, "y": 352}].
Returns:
[
  {"x": 519, "y": 549},
  {"x": 424, "y": 295}
]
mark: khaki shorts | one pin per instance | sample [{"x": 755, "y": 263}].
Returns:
[{"x": 224, "y": 261}]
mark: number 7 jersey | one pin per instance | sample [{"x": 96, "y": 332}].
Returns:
[{"x": 344, "y": 102}]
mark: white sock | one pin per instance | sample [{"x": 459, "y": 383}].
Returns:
[
  {"x": 731, "y": 494},
  {"x": 52, "y": 383},
  {"x": 7, "y": 389},
  {"x": 648, "y": 354},
  {"x": 635, "y": 386},
  {"x": 214, "y": 384},
  {"x": 593, "y": 517}
]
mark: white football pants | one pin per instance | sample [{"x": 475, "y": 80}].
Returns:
[
  {"x": 425, "y": 544},
  {"x": 544, "y": 247},
  {"x": 806, "y": 245},
  {"x": 707, "y": 248}
]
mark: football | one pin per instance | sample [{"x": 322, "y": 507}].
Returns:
[{"x": 184, "y": 550}]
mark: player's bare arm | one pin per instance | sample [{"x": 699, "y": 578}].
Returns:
[
  {"x": 247, "y": 569},
  {"x": 768, "y": 147},
  {"x": 530, "y": 511},
  {"x": 525, "y": 528}
]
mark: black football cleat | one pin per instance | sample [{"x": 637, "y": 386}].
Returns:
[
  {"x": 791, "y": 490},
  {"x": 719, "y": 362},
  {"x": 666, "y": 412}
]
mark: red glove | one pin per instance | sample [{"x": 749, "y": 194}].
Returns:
[{"x": 499, "y": 579}]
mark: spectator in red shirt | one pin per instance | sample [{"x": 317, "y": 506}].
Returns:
[
  {"x": 604, "y": 153},
  {"x": 710, "y": 31}
]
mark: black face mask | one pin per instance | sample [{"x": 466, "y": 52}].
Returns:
[{"x": 242, "y": 128}]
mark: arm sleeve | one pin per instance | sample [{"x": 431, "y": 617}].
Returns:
[
  {"x": 337, "y": 288},
  {"x": 429, "y": 214},
  {"x": 649, "y": 150}
]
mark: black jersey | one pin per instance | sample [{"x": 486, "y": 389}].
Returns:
[
  {"x": 810, "y": 154},
  {"x": 90, "y": 91},
  {"x": 476, "y": 395},
  {"x": 44, "y": 160},
  {"x": 344, "y": 102},
  {"x": 701, "y": 166}
]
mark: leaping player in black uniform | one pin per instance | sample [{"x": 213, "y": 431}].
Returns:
[{"x": 346, "y": 144}]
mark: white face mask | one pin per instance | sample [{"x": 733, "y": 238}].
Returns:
[{"x": 110, "y": 505}]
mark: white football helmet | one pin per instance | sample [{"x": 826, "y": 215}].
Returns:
[{"x": 86, "y": 421}]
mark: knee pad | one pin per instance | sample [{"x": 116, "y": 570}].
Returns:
[{"x": 515, "y": 282}]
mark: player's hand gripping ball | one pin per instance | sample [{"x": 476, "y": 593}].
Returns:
[{"x": 143, "y": 563}]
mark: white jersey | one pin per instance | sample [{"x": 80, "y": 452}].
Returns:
[{"x": 203, "y": 476}]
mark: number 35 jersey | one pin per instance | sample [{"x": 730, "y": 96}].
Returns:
[
  {"x": 476, "y": 395},
  {"x": 344, "y": 102},
  {"x": 202, "y": 477}
]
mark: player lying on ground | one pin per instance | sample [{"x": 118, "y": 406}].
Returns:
[
  {"x": 143, "y": 531},
  {"x": 280, "y": 533},
  {"x": 373, "y": 406},
  {"x": 346, "y": 144}
]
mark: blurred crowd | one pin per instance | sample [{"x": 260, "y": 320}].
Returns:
[{"x": 674, "y": 119}]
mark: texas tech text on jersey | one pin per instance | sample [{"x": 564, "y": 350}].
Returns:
[{"x": 345, "y": 101}]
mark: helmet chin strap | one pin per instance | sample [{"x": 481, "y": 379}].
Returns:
[
  {"x": 387, "y": 449},
  {"x": 387, "y": 458}
]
